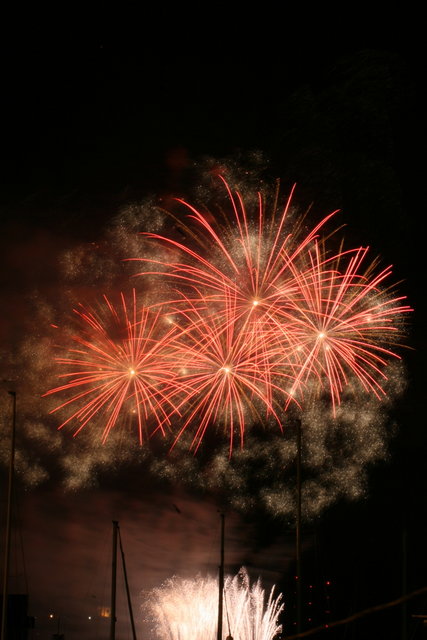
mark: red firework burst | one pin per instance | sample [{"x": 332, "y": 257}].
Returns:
[
  {"x": 343, "y": 322},
  {"x": 333, "y": 317},
  {"x": 119, "y": 367},
  {"x": 249, "y": 258},
  {"x": 228, "y": 371},
  {"x": 264, "y": 314}
]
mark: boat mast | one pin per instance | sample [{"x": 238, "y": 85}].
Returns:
[
  {"x": 113, "y": 583},
  {"x": 113, "y": 618},
  {"x": 221, "y": 581},
  {"x": 127, "y": 588},
  {"x": 298, "y": 533},
  {"x": 8, "y": 522}
]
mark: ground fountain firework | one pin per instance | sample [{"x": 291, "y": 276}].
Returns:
[{"x": 186, "y": 609}]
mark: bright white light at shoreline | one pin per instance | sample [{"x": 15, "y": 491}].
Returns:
[{"x": 188, "y": 609}]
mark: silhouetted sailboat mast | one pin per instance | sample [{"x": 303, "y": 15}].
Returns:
[
  {"x": 8, "y": 523},
  {"x": 221, "y": 582},
  {"x": 113, "y": 617}
]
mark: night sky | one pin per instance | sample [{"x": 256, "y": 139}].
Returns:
[{"x": 98, "y": 118}]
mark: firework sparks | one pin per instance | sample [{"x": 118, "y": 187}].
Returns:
[
  {"x": 118, "y": 366},
  {"x": 188, "y": 609},
  {"x": 342, "y": 323},
  {"x": 261, "y": 315},
  {"x": 248, "y": 258},
  {"x": 228, "y": 371},
  {"x": 337, "y": 453},
  {"x": 326, "y": 317}
]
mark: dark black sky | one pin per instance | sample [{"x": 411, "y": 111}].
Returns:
[{"x": 95, "y": 116}]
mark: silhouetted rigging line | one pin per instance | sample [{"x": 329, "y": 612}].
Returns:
[{"x": 359, "y": 614}]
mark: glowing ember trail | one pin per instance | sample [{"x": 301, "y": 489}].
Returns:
[
  {"x": 188, "y": 609},
  {"x": 119, "y": 368}
]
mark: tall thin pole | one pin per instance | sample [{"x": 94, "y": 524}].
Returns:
[
  {"x": 127, "y": 588},
  {"x": 404, "y": 580},
  {"x": 8, "y": 521},
  {"x": 113, "y": 582},
  {"x": 298, "y": 531},
  {"x": 221, "y": 582}
]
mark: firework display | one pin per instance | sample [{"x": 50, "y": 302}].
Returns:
[
  {"x": 228, "y": 371},
  {"x": 118, "y": 365},
  {"x": 342, "y": 321},
  {"x": 252, "y": 314},
  {"x": 187, "y": 608}
]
